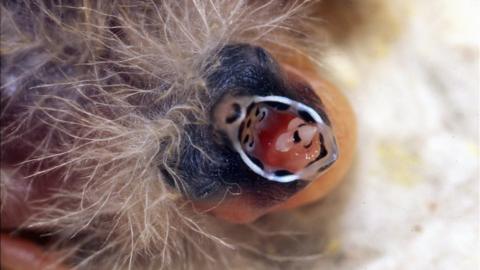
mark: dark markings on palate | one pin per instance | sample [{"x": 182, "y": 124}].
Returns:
[
  {"x": 308, "y": 145},
  {"x": 245, "y": 140},
  {"x": 306, "y": 116},
  {"x": 250, "y": 107},
  {"x": 262, "y": 116},
  {"x": 323, "y": 151},
  {"x": 249, "y": 122},
  {"x": 296, "y": 137},
  {"x": 257, "y": 111},
  {"x": 277, "y": 105},
  {"x": 282, "y": 173},
  {"x": 240, "y": 131}
]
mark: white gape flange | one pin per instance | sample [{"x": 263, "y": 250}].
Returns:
[{"x": 309, "y": 172}]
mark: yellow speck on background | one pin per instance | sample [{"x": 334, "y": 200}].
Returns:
[
  {"x": 332, "y": 247},
  {"x": 400, "y": 163}
]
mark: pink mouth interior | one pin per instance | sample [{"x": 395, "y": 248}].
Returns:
[{"x": 283, "y": 141}]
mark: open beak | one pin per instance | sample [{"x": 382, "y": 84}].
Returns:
[{"x": 278, "y": 138}]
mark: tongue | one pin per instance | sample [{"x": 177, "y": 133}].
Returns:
[
  {"x": 285, "y": 142},
  {"x": 306, "y": 133},
  {"x": 297, "y": 135}
]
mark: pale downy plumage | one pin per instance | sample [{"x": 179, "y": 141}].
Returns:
[{"x": 95, "y": 95}]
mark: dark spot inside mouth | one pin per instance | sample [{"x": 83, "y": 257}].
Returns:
[
  {"x": 249, "y": 122},
  {"x": 282, "y": 173},
  {"x": 323, "y": 150},
  {"x": 296, "y": 137},
  {"x": 308, "y": 145},
  {"x": 277, "y": 105},
  {"x": 250, "y": 108},
  {"x": 236, "y": 114},
  {"x": 257, "y": 111},
  {"x": 245, "y": 140},
  {"x": 262, "y": 116},
  {"x": 306, "y": 116},
  {"x": 240, "y": 130}
]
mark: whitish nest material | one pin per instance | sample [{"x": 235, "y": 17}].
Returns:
[{"x": 115, "y": 83}]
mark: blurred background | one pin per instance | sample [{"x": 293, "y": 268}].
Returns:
[{"x": 411, "y": 70}]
